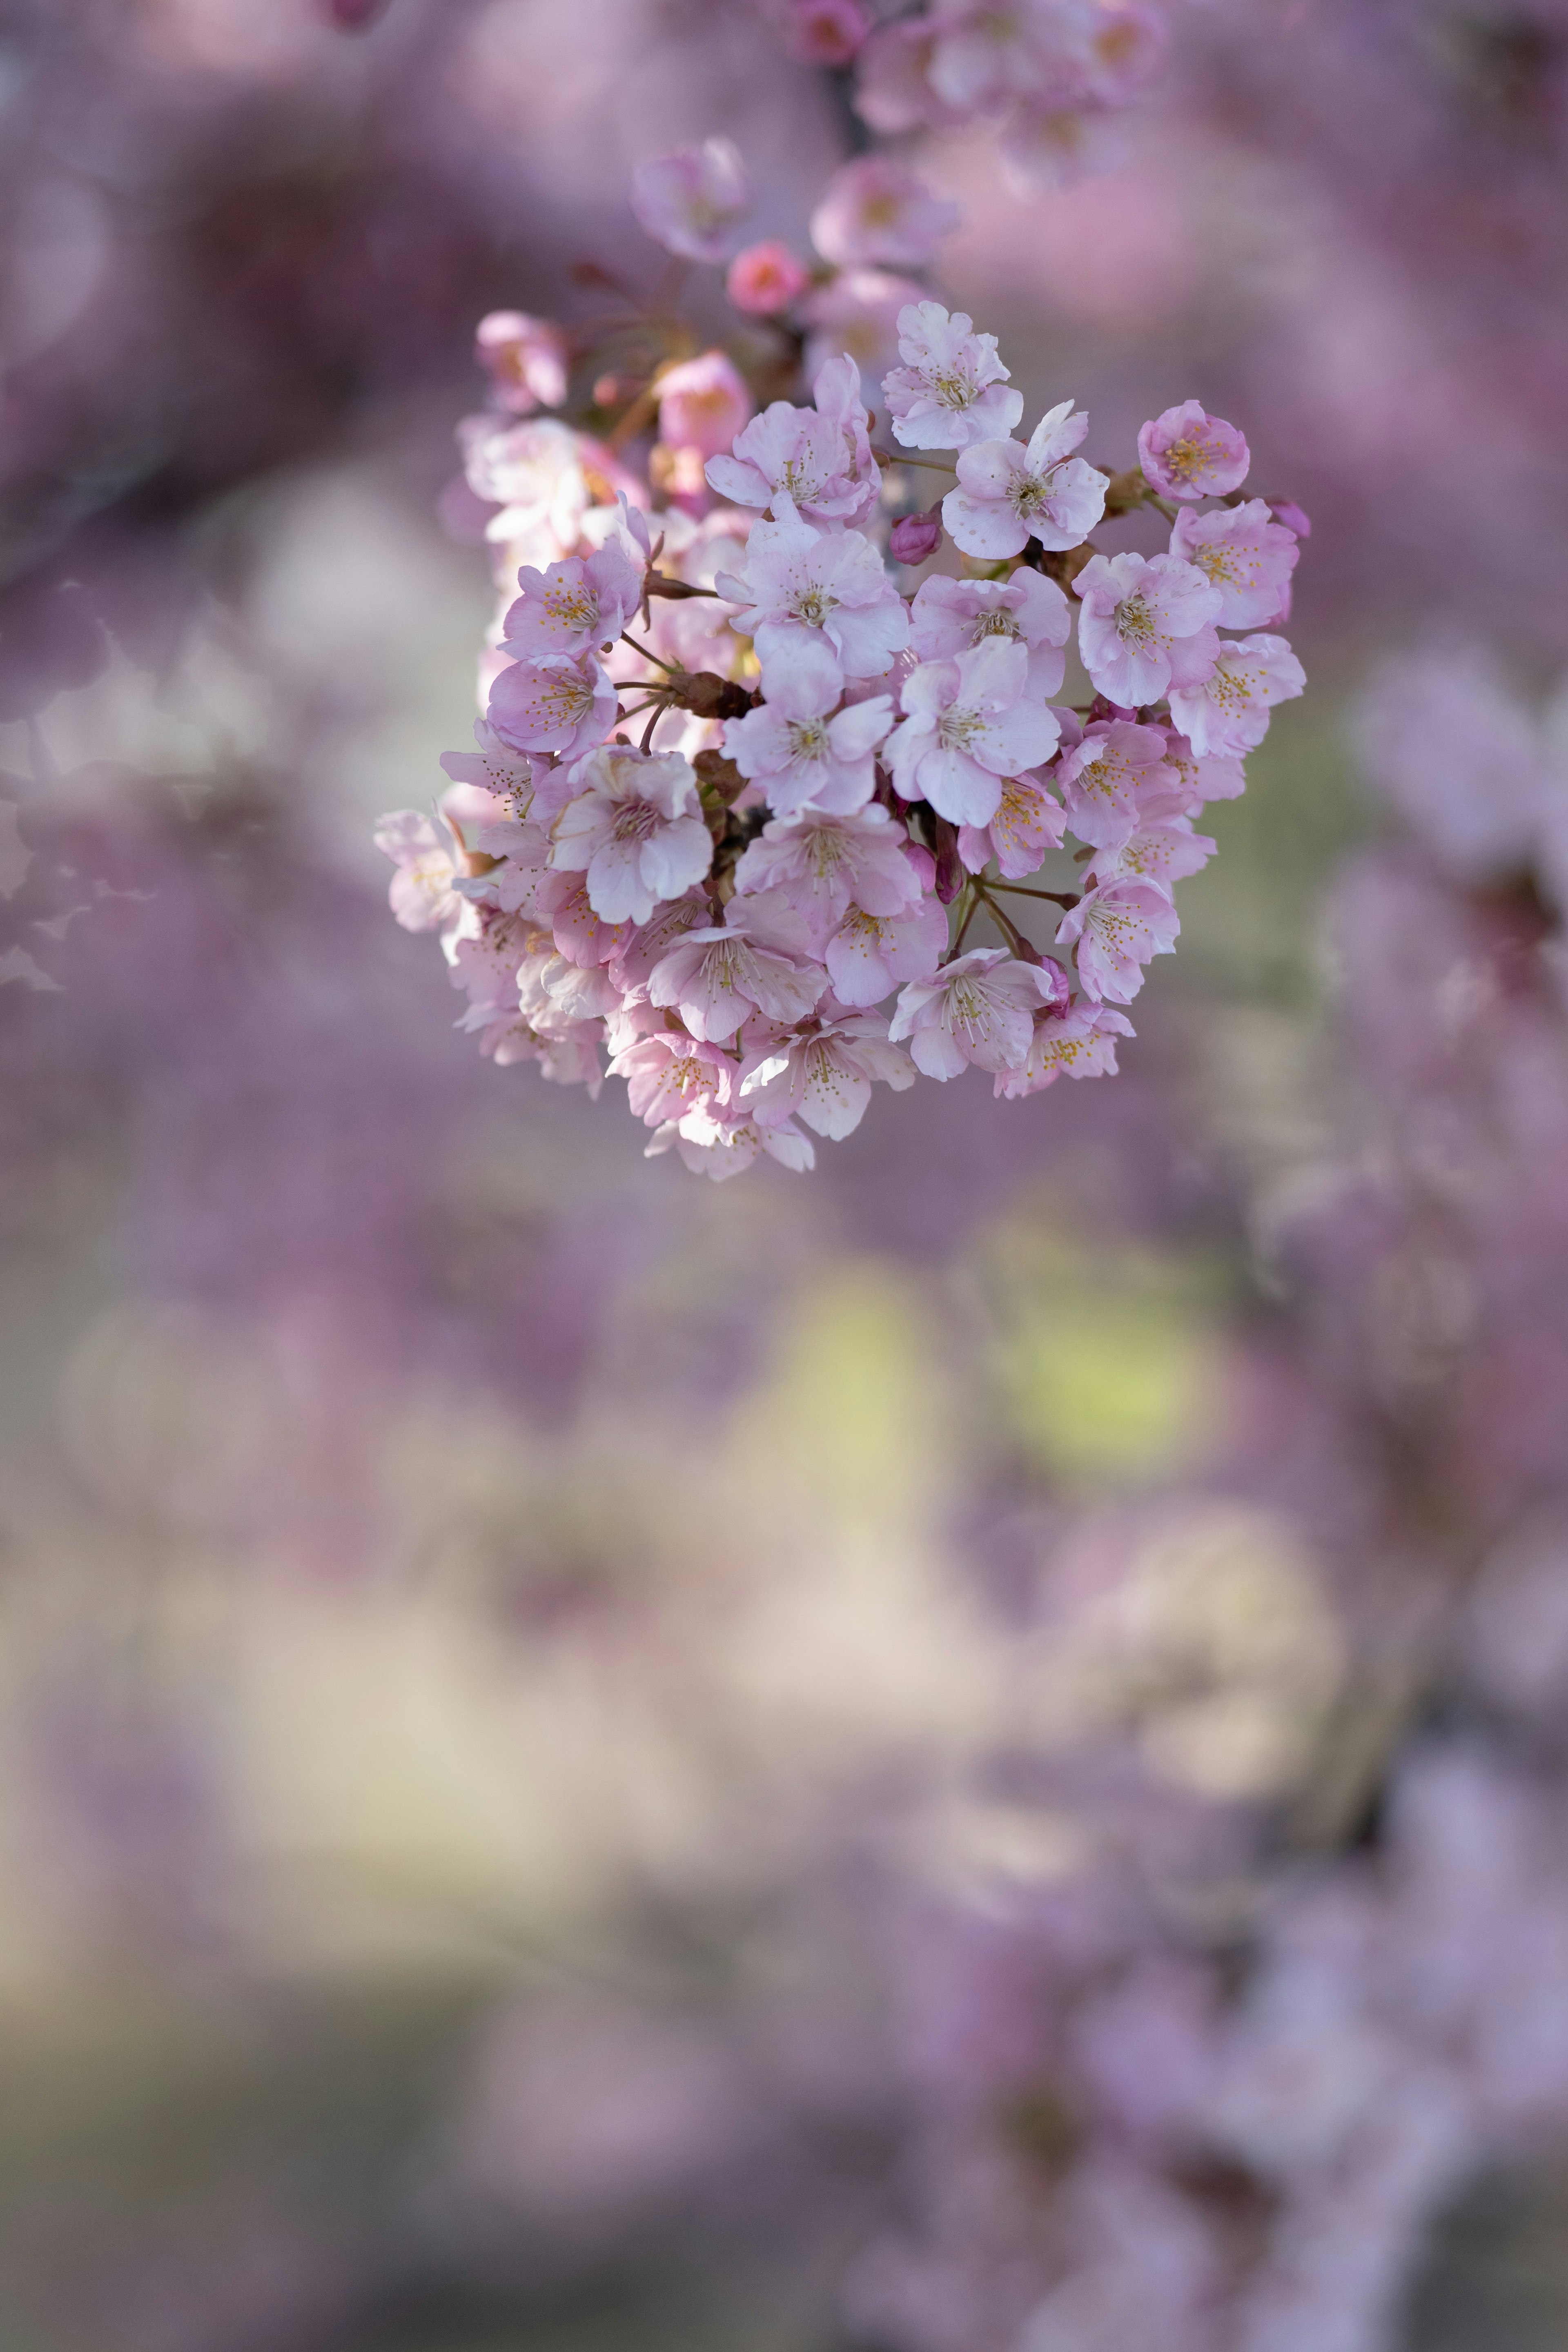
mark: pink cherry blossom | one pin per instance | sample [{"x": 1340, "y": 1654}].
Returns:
[
  {"x": 1188, "y": 454},
  {"x": 766, "y": 279},
  {"x": 951, "y": 616},
  {"x": 694, "y": 202},
  {"x": 552, "y": 705},
  {"x": 825, "y": 32},
  {"x": 631, "y": 828},
  {"x": 526, "y": 360},
  {"x": 978, "y": 1009},
  {"x": 952, "y": 388},
  {"x": 824, "y": 1075},
  {"x": 1009, "y": 492},
  {"x": 821, "y": 864},
  {"x": 421, "y": 896},
  {"x": 634, "y": 963},
  {"x": 967, "y": 724},
  {"x": 554, "y": 994},
  {"x": 703, "y": 403},
  {"x": 1247, "y": 557},
  {"x": 1162, "y": 853},
  {"x": 870, "y": 955},
  {"x": 722, "y": 1143},
  {"x": 803, "y": 454},
  {"x": 583, "y": 936},
  {"x": 1117, "y": 775},
  {"x": 1117, "y": 930},
  {"x": 1147, "y": 625},
  {"x": 873, "y": 210},
  {"x": 1026, "y": 823},
  {"x": 578, "y": 603},
  {"x": 1215, "y": 777},
  {"x": 798, "y": 753},
  {"x": 669, "y": 1074},
  {"x": 801, "y": 586},
  {"x": 1227, "y": 710},
  {"x": 893, "y": 88},
  {"x": 486, "y": 949},
  {"x": 1077, "y": 1044},
  {"x": 521, "y": 846},
  {"x": 495, "y": 773},
  {"x": 759, "y": 958},
  {"x": 569, "y": 1055}
]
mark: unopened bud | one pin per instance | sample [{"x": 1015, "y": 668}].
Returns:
[
  {"x": 914, "y": 536},
  {"x": 710, "y": 696}
]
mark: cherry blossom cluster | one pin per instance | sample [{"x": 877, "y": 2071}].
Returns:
[{"x": 740, "y": 798}]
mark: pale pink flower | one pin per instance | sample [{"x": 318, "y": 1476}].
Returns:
[
  {"x": 825, "y": 32},
  {"x": 1215, "y": 777},
  {"x": 859, "y": 311},
  {"x": 1147, "y": 625},
  {"x": 570, "y": 1056},
  {"x": 1009, "y": 492},
  {"x": 1445, "y": 734},
  {"x": 823, "y": 864},
  {"x": 802, "y": 586},
  {"x": 824, "y": 1076},
  {"x": 893, "y": 88},
  {"x": 979, "y": 1009},
  {"x": 554, "y": 994},
  {"x": 422, "y": 895},
  {"x": 1188, "y": 454},
  {"x": 552, "y": 705},
  {"x": 759, "y": 959},
  {"x": 1117, "y": 930},
  {"x": 951, "y": 616},
  {"x": 562, "y": 901},
  {"x": 1077, "y": 1044},
  {"x": 522, "y": 848},
  {"x": 495, "y": 773},
  {"x": 967, "y": 724},
  {"x": 870, "y": 955},
  {"x": 1248, "y": 556},
  {"x": 795, "y": 751},
  {"x": 526, "y": 360},
  {"x": 1026, "y": 823},
  {"x": 766, "y": 279},
  {"x": 632, "y": 829},
  {"x": 703, "y": 403},
  {"x": 580, "y": 602},
  {"x": 873, "y": 210},
  {"x": 806, "y": 456},
  {"x": 1226, "y": 711},
  {"x": 486, "y": 950},
  {"x": 986, "y": 57},
  {"x": 1164, "y": 854},
  {"x": 694, "y": 202},
  {"x": 1116, "y": 776},
  {"x": 719, "y": 1144},
  {"x": 835, "y": 387},
  {"x": 952, "y": 388},
  {"x": 534, "y": 473},
  {"x": 649, "y": 944},
  {"x": 670, "y": 1075}
]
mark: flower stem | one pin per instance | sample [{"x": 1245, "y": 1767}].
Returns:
[{"x": 1022, "y": 890}]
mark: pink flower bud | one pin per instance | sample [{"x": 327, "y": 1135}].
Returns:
[
  {"x": 1286, "y": 511},
  {"x": 914, "y": 536},
  {"x": 766, "y": 279}
]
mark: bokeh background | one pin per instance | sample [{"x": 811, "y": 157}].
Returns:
[{"x": 585, "y": 1759}]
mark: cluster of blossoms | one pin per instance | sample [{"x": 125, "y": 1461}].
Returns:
[
  {"x": 1052, "y": 71},
  {"x": 835, "y": 779}
]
